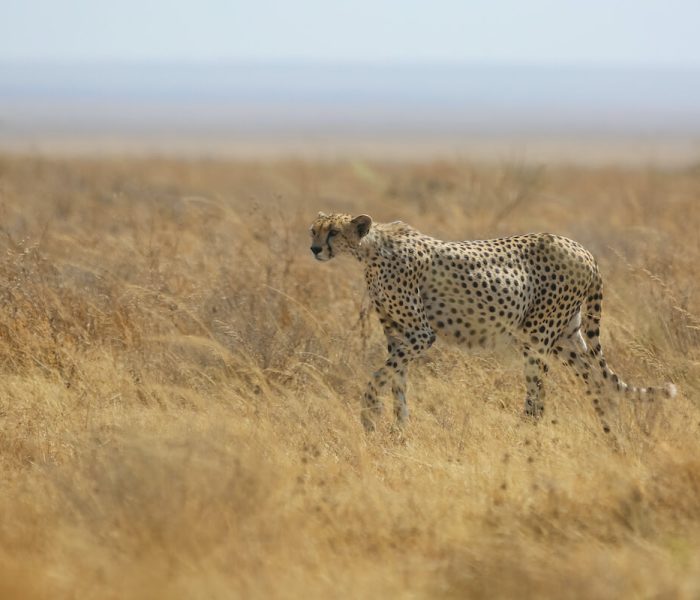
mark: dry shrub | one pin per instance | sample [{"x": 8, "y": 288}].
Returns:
[{"x": 180, "y": 386}]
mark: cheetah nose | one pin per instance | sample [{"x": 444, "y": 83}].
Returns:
[{"x": 316, "y": 249}]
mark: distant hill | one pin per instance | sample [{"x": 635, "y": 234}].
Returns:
[{"x": 347, "y": 99}]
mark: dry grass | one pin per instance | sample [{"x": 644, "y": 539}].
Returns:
[{"x": 180, "y": 384}]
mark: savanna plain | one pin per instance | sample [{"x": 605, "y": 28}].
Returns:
[{"x": 179, "y": 400}]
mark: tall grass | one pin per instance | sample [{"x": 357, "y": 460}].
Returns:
[{"x": 180, "y": 383}]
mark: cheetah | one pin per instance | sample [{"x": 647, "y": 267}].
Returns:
[{"x": 541, "y": 292}]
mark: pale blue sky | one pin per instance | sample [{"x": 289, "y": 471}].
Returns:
[{"x": 619, "y": 32}]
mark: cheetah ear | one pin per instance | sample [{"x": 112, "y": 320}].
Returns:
[
  {"x": 362, "y": 225},
  {"x": 321, "y": 215}
]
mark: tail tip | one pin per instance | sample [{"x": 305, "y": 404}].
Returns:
[{"x": 671, "y": 390}]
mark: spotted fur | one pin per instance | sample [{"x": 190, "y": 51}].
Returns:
[{"x": 540, "y": 291}]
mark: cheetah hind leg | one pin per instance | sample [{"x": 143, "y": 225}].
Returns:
[{"x": 572, "y": 350}]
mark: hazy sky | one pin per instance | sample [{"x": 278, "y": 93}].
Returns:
[{"x": 622, "y": 32}]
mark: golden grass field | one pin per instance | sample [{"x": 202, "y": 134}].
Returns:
[{"x": 179, "y": 401}]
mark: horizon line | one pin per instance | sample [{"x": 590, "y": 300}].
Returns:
[{"x": 296, "y": 62}]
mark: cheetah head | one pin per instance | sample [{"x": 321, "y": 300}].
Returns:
[{"x": 338, "y": 233}]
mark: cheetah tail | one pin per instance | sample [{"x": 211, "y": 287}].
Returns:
[
  {"x": 591, "y": 332},
  {"x": 649, "y": 394},
  {"x": 668, "y": 390}
]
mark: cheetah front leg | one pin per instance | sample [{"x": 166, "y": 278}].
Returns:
[
  {"x": 535, "y": 370},
  {"x": 398, "y": 386},
  {"x": 402, "y": 352},
  {"x": 398, "y": 391}
]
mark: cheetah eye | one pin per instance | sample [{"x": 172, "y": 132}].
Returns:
[
  {"x": 313, "y": 232},
  {"x": 333, "y": 232}
]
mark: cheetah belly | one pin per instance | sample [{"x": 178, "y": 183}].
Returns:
[
  {"x": 456, "y": 321},
  {"x": 476, "y": 310}
]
